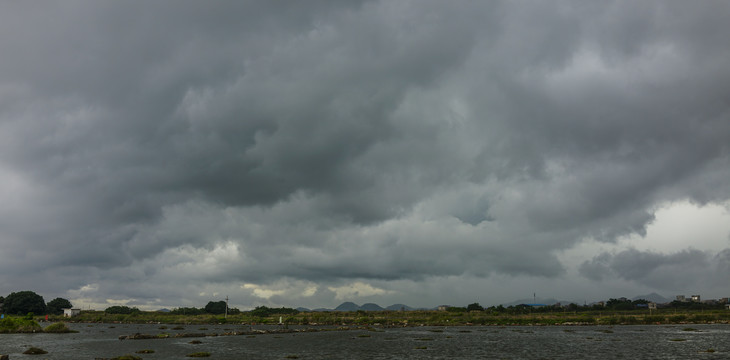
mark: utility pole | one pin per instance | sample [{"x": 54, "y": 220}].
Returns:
[{"x": 226, "y": 306}]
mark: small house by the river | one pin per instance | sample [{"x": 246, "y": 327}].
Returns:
[{"x": 71, "y": 312}]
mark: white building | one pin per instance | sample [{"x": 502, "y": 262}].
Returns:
[{"x": 71, "y": 312}]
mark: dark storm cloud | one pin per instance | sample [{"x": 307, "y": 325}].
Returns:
[
  {"x": 688, "y": 268},
  {"x": 323, "y": 141}
]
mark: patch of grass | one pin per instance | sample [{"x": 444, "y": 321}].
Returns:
[
  {"x": 35, "y": 351},
  {"x": 195, "y": 342},
  {"x": 127, "y": 357},
  {"x": 145, "y": 351},
  {"x": 11, "y": 325},
  {"x": 364, "y": 336},
  {"x": 291, "y": 357},
  {"x": 677, "y": 339},
  {"x": 203, "y": 328},
  {"x": 421, "y": 347},
  {"x": 425, "y": 339},
  {"x": 689, "y": 329},
  {"x": 709, "y": 351},
  {"x": 436, "y": 330},
  {"x": 199, "y": 354},
  {"x": 178, "y": 328},
  {"x": 58, "y": 328},
  {"x": 162, "y": 327}
]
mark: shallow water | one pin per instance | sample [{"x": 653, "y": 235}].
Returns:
[{"x": 519, "y": 342}]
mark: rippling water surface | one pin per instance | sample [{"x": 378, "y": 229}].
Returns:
[{"x": 522, "y": 342}]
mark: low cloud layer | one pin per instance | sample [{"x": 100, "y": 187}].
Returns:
[
  {"x": 690, "y": 269},
  {"x": 300, "y": 153}
]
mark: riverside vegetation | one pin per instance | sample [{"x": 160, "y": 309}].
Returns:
[
  {"x": 451, "y": 317},
  {"x": 615, "y": 312},
  {"x": 27, "y": 324}
]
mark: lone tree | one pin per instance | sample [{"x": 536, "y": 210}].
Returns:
[
  {"x": 216, "y": 307},
  {"x": 474, "y": 307},
  {"x": 56, "y": 306},
  {"x": 24, "y": 302}
]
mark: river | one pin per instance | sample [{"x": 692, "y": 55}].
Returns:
[{"x": 482, "y": 342}]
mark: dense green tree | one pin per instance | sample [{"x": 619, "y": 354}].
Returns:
[
  {"x": 56, "y": 306},
  {"x": 24, "y": 302},
  {"x": 263, "y": 311},
  {"x": 216, "y": 307},
  {"x": 187, "y": 311},
  {"x": 474, "y": 307},
  {"x": 116, "y": 309},
  {"x": 456, "y": 309},
  {"x": 620, "y": 304}
]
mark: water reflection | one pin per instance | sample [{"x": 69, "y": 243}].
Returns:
[{"x": 554, "y": 342}]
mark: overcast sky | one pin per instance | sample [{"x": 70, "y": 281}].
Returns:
[{"x": 305, "y": 153}]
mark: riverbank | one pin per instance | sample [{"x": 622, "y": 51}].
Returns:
[
  {"x": 416, "y": 318},
  {"x": 19, "y": 325}
]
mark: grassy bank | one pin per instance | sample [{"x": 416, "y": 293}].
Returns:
[
  {"x": 419, "y": 318},
  {"x": 18, "y": 325}
]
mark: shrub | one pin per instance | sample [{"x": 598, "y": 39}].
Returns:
[
  {"x": 58, "y": 327},
  {"x": 121, "y": 310},
  {"x": 18, "y": 325},
  {"x": 35, "y": 351},
  {"x": 127, "y": 357},
  {"x": 199, "y": 354}
]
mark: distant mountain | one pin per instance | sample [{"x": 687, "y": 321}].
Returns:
[
  {"x": 351, "y": 306},
  {"x": 371, "y": 307},
  {"x": 653, "y": 297},
  {"x": 398, "y": 307},
  {"x": 163, "y": 310},
  {"x": 348, "y": 306}
]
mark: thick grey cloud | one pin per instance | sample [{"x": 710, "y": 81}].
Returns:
[
  {"x": 310, "y": 146},
  {"x": 689, "y": 269}
]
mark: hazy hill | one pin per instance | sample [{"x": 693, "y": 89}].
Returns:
[
  {"x": 348, "y": 306},
  {"x": 653, "y": 297},
  {"x": 398, "y": 307},
  {"x": 371, "y": 307}
]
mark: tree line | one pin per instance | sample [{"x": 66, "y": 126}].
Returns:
[
  {"x": 611, "y": 305},
  {"x": 28, "y": 302}
]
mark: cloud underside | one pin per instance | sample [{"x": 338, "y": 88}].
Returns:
[{"x": 324, "y": 145}]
